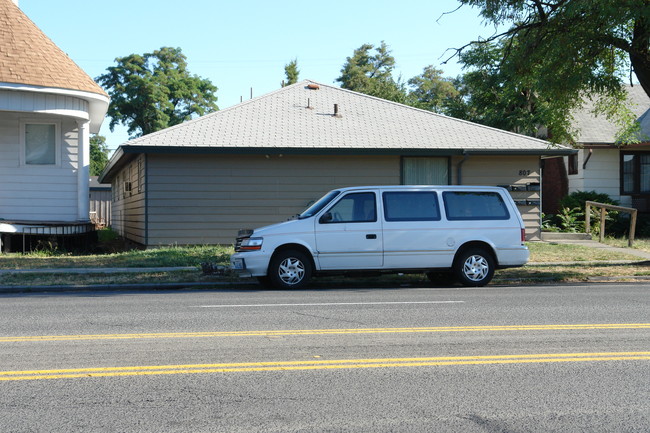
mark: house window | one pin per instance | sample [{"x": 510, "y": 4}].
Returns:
[
  {"x": 573, "y": 164},
  {"x": 635, "y": 173},
  {"x": 39, "y": 142},
  {"x": 425, "y": 171}
]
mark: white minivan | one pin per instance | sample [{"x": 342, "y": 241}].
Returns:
[{"x": 469, "y": 230}]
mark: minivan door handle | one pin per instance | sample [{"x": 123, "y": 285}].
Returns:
[{"x": 371, "y": 236}]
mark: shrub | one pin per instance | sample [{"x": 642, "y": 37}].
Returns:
[
  {"x": 577, "y": 199},
  {"x": 571, "y": 216},
  {"x": 571, "y": 220}
]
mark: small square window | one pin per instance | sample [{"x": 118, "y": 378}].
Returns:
[{"x": 40, "y": 144}]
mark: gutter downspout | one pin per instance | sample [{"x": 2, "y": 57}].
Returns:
[
  {"x": 146, "y": 199},
  {"x": 459, "y": 168},
  {"x": 584, "y": 165}
]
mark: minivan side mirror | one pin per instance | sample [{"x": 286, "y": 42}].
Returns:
[{"x": 325, "y": 218}]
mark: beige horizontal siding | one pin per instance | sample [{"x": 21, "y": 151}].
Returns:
[
  {"x": 207, "y": 199},
  {"x": 128, "y": 208}
]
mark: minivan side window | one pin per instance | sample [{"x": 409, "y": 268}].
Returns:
[
  {"x": 411, "y": 206},
  {"x": 352, "y": 208},
  {"x": 468, "y": 205}
]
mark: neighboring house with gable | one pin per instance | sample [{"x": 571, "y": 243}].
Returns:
[
  {"x": 622, "y": 172},
  {"x": 48, "y": 108},
  {"x": 266, "y": 159}
]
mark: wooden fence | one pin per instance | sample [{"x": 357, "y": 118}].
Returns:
[{"x": 603, "y": 213}]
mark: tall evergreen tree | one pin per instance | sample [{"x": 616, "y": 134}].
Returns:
[
  {"x": 291, "y": 72},
  {"x": 372, "y": 74}
]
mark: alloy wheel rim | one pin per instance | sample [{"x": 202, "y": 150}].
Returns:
[
  {"x": 476, "y": 268},
  {"x": 291, "y": 271}
]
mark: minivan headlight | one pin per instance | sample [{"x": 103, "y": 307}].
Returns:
[{"x": 251, "y": 244}]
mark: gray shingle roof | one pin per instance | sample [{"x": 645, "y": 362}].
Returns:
[
  {"x": 281, "y": 120},
  {"x": 596, "y": 129}
]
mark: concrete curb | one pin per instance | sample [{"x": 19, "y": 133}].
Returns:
[
  {"x": 97, "y": 270},
  {"x": 591, "y": 263},
  {"x": 113, "y": 287}
]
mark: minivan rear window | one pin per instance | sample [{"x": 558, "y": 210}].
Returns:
[
  {"x": 411, "y": 206},
  {"x": 474, "y": 205}
]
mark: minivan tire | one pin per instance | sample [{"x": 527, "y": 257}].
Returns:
[
  {"x": 289, "y": 269},
  {"x": 474, "y": 267}
]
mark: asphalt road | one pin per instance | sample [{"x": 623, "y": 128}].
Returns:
[{"x": 495, "y": 359}]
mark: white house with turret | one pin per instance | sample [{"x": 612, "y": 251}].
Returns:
[{"x": 48, "y": 108}]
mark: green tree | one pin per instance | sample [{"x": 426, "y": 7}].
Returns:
[
  {"x": 491, "y": 93},
  {"x": 574, "y": 49},
  {"x": 98, "y": 154},
  {"x": 372, "y": 74},
  {"x": 291, "y": 72},
  {"x": 431, "y": 91},
  {"x": 155, "y": 90}
]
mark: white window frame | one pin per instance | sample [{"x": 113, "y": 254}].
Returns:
[{"x": 23, "y": 142}]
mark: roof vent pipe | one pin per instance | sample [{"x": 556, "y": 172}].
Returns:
[
  {"x": 309, "y": 107},
  {"x": 336, "y": 110}
]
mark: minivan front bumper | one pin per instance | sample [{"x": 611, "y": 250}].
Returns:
[{"x": 252, "y": 263}]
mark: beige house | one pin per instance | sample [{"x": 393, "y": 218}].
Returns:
[
  {"x": 264, "y": 160},
  {"x": 48, "y": 108}
]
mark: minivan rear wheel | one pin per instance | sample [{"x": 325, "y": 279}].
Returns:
[
  {"x": 289, "y": 270},
  {"x": 474, "y": 267}
]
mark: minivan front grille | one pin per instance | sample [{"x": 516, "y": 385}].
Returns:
[
  {"x": 241, "y": 235},
  {"x": 238, "y": 242}
]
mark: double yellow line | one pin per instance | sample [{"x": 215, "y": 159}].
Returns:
[
  {"x": 319, "y": 365},
  {"x": 281, "y": 333}
]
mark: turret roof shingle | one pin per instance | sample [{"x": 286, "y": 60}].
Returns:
[{"x": 28, "y": 56}]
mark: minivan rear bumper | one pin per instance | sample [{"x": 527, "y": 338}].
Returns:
[{"x": 511, "y": 257}]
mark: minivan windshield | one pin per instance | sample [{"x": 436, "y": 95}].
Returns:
[{"x": 320, "y": 204}]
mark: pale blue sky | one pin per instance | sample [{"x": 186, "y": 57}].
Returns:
[{"x": 244, "y": 44}]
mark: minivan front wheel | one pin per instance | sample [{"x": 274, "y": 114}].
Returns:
[
  {"x": 289, "y": 270},
  {"x": 474, "y": 267}
]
